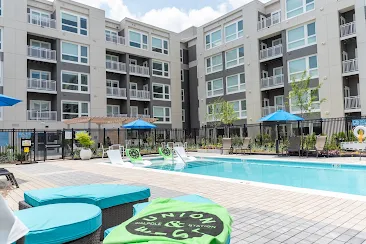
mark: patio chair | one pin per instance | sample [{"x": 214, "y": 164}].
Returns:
[
  {"x": 294, "y": 146},
  {"x": 246, "y": 145},
  {"x": 319, "y": 146},
  {"x": 115, "y": 158},
  {"x": 182, "y": 153},
  {"x": 166, "y": 153},
  {"x": 104, "y": 151},
  {"x": 9, "y": 176},
  {"x": 227, "y": 146},
  {"x": 115, "y": 200},
  {"x": 118, "y": 147},
  {"x": 135, "y": 157},
  {"x": 189, "y": 199}
]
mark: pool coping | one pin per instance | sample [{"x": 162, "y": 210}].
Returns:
[{"x": 253, "y": 183}]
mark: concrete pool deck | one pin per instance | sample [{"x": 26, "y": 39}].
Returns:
[{"x": 261, "y": 214}]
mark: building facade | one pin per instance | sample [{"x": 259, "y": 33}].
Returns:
[{"x": 64, "y": 60}]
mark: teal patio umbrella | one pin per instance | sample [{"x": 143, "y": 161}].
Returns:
[{"x": 139, "y": 125}]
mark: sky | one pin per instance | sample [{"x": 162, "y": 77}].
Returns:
[{"x": 174, "y": 15}]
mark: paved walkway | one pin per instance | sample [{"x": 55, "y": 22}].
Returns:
[{"x": 261, "y": 215}]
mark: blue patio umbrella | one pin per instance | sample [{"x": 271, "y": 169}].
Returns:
[
  {"x": 139, "y": 125},
  {"x": 280, "y": 115},
  {"x": 6, "y": 101}
]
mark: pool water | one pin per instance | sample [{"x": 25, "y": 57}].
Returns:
[{"x": 349, "y": 179}]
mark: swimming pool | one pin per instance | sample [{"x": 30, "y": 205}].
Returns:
[{"x": 343, "y": 178}]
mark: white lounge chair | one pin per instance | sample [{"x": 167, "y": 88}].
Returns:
[
  {"x": 182, "y": 153},
  {"x": 115, "y": 157}
]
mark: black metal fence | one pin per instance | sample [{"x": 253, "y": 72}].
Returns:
[{"x": 61, "y": 144}]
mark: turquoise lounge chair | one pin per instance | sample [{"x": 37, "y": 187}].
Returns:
[{"x": 116, "y": 201}]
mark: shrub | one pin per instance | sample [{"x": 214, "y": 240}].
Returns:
[{"x": 84, "y": 139}]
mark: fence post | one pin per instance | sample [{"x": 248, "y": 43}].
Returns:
[
  {"x": 321, "y": 126},
  {"x": 195, "y": 137},
  {"x": 261, "y": 134},
  {"x": 13, "y": 142},
  {"x": 346, "y": 126},
  {"x": 72, "y": 143},
  {"x": 155, "y": 137},
  {"x": 45, "y": 146},
  {"x": 104, "y": 136},
  {"x": 298, "y": 128},
  {"x": 205, "y": 134},
  {"x": 34, "y": 148},
  {"x": 63, "y": 144},
  {"x": 118, "y": 136}
]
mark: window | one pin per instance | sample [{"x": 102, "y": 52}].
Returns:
[
  {"x": 234, "y": 57},
  {"x": 160, "y": 68},
  {"x": 233, "y": 31},
  {"x": 40, "y": 18},
  {"x": 112, "y": 58},
  {"x": 213, "y": 39},
  {"x": 162, "y": 114},
  {"x": 74, "y": 23},
  {"x": 75, "y": 82},
  {"x": 182, "y": 94},
  {"x": 213, "y": 109},
  {"x": 1, "y": 14},
  {"x": 182, "y": 75},
  {"x": 183, "y": 115},
  {"x": 161, "y": 92},
  {"x": 40, "y": 106},
  {"x": 112, "y": 110},
  {"x": 240, "y": 108},
  {"x": 40, "y": 44},
  {"x": 301, "y": 36},
  {"x": 74, "y": 53},
  {"x": 235, "y": 83},
  {"x": 159, "y": 45},
  {"x": 138, "y": 39},
  {"x": 111, "y": 36},
  {"x": 215, "y": 88},
  {"x": 214, "y": 64},
  {"x": 313, "y": 93},
  {"x": 1, "y": 72},
  {"x": 181, "y": 55},
  {"x": 134, "y": 111},
  {"x": 74, "y": 109},
  {"x": 112, "y": 83},
  {"x": 40, "y": 75},
  {"x": 297, "y": 7},
  {"x": 1, "y": 35},
  {"x": 297, "y": 67}
]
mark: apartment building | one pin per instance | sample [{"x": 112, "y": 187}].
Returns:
[
  {"x": 66, "y": 60},
  {"x": 251, "y": 55}
]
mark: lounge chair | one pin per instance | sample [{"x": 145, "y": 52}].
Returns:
[
  {"x": 115, "y": 200},
  {"x": 115, "y": 158},
  {"x": 227, "y": 146},
  {"x": 182, "y": 153},
  {"x": 187, "y": 198},
  {"x": 294, "y": 146},
  {"x": 246, "y": 145},
  {"x": 319, "y": 146},
  {"x": 104, "y": 151},
  {"x": 9, "y": 176},
  {"x": 166, "y": 153},
  {"x": 135, "y": 157}
]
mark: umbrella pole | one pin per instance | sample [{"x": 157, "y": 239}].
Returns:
[{"x": 138, "y": 137}]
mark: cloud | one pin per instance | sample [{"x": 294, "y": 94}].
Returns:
[{"x": 171, "y": 18}]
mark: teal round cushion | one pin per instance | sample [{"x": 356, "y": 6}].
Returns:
[
  {"x": 101, "y": 195},
  {"x": 60, "y": 223}
]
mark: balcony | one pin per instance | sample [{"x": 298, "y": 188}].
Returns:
[
  {"x": 350, "y": 67},
  {"x": 117, "y": 115},
  {"x": 116, "y": 92},
  {"x": 271, "y": 109},
  {"x": 272, "y": 82},
  {"x": 348, "y": 30},
  {"x": 115, "y": 39},
  {"x": 39, "y": 85},
  {"x": 42, "y": 21},
  {"x": 41, "y": 54},
  {"x": 352, "y": 104},
  {"x": 116, "y": 67},
  {"x": 42, "y": 115},
  {"x": 271, "y": 53},
  {"x": 139, "y": 70},
  {"x": 268, "y": 22},
  {"x": 139, "y": 95}
]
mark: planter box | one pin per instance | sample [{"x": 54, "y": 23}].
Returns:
[{"x": 219, "y": 151}]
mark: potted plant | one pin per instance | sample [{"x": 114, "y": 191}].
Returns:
[{"x": 86, "y": 142}]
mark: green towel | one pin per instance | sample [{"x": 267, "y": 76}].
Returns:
[
  {"x": 176, "y": 222},
  {"x": 165, "y": 152},
  {"x": 134, "y": 155}
]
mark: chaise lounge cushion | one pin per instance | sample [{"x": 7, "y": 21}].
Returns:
[
  {"x": 101, "y": 195},
  {"x": 60, "y": 223}
]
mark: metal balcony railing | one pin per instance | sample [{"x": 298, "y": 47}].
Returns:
[
  {"x": 271, "y": 52},
  {"x": 42, "y": 21},
  {"x": 273, "y": 81},
  {"x": 140, "y": 116},
  {"x": 352, "y": 103},
  {"x": 268, "y": 22},
  {"x": 115, "y": 39},
  {"x": 41, "y": 85},
  {"x": 117, "y": 115},
  {"x": 139, "y": 70},
  {"x": 42, "y": 115},
  {"x": 139, "y": 94},
  {"x": 42, "y": 53},
  {"x": 348, "y": 29},
  {"x": 271, "y": 109},
  {"x": 115, "y": 66},
  {"x": 349, "y": 66},
  {"x": 116, "y": 92}
]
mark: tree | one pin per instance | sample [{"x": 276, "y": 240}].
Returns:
[{"x": 222, "y": 112}]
